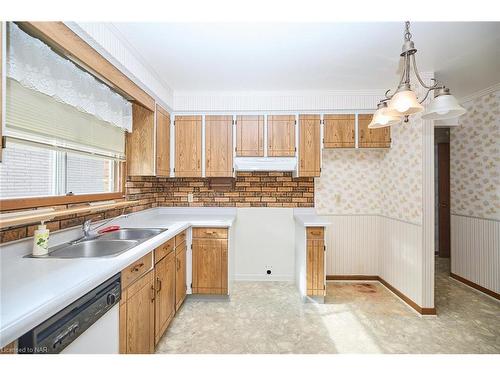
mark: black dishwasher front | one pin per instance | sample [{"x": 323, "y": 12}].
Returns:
[{"x": 60, "y": 330}]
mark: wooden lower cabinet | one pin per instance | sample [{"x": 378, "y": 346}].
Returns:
[
  {"x": 315, "y": 261},
  {"x": 137, "y": 316},
  {"x": 180, "y": 275},
  {"x": 165, "y": 294},
  {"x": 210, "y": 260}
]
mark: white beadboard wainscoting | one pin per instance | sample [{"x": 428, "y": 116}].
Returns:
[
  {"x": 475, "y": 250},
  {"x": 374, "y": 245}
]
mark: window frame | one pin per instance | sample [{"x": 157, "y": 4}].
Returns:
[{"x": 55, "y": 200}]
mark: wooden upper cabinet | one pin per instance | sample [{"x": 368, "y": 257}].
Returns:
[
  {"x": 281, "y": 135},
  {"x": 372, "y": 138},
  {"x": 250, "y": 136},
  {"x": 162, "y": 142},
  {"x": 218, "y": 146},
  {"x": 188, "y": 146},
  {"x": 339, "y": 131},
  {"x": 310, "y": 146},
  {"x": 140, "y": 143}
]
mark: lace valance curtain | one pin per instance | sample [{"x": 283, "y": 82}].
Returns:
[{"x": 36, "y": 66}]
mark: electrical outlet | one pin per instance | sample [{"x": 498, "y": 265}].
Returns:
[{"x": 190, "y": 198}]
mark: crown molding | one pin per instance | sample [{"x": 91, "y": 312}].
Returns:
[{"x": 480, "y": 93}]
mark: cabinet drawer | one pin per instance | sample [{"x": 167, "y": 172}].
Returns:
[
  {"x": 315, "y": 233},
  {"x": 209, "y": 232},
  {"x": 136, "y": 270},
  {"x": 164, "y": 249},
  {"x": 180, "y": 238}
]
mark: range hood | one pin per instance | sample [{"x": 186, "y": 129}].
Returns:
[{"x": 273, "y": 164}]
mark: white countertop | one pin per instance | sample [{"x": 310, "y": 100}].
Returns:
[
  {"x": 308, "y": 217},
  {"x": 32, "y": 290}
]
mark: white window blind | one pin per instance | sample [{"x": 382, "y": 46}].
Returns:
[{"x": 51, "y": 101}]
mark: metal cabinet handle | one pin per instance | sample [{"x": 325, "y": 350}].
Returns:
[
  {"x": 158, "y": 283},
  {"x": 153, "y": 293}
]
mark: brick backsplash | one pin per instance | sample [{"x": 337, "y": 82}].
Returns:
[{"x": 250, "y": 189}]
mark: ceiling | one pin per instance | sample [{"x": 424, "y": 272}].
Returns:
[{"x": 312, "y": 56}]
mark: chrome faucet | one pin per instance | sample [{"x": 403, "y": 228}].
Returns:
[{"x": 87, "y": 226}]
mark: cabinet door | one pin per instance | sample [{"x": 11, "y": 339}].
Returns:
[
  {"x": 140, "y": 143},
  {"x": 250, "y": 136},
  {"x": 281, "y": 135},
  {"x": 372, "y": 138},
  {"x": 209, "y": 266},
  {"x": 162, "y": 142},
  {"x": 188, "y": 146},
  {"x": 310, "y": 146},
  {"x": 180, "y": 275},
  {"x": 339, "y": 131},
  {"x": 1, "y": 85},
  {"x": 165, "y": 294},
  {"x": 315, "y": 262},
  {"x": 218, "y": 146},
  {"x": 137, "y": 316}
]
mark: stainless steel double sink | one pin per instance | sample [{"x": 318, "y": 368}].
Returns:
[{"x": 104, "y": 245}]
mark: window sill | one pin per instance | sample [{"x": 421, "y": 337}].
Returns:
[{"x": 36, "y": 202}]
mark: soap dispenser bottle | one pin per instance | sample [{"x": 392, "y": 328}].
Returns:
[{"x": 41, "y": 240}]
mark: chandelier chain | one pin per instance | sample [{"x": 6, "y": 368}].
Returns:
[{"x": 407, "y": 34}]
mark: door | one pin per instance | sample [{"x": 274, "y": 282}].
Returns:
[
  {"x": 219, "y": 146},
  {"x": 339, "y": 131},
  {"x": 187, "y": 146},
  {"x": 372, "y": 138},
  {"x": 180, "y": 275},
  {"x": 162, "y": 142},
  {"x": 310, "y": 146},
  {"x": 208, "y": 265},
  {"x": 281, "y": 135},
  {"x": 165, "y": 294},
  {"x": 250, "y": 136},
  {"x": 140, "y": 143},
  {"x": 315, "y": 262},
  {"x": 139, "y": 316},
  {"x": 444, "y": 199}
]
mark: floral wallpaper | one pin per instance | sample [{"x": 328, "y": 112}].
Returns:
[
  {"x": 349, "y": 182},
  {"x": 475, "y": 159},
  {"x": 375, "y": 182},
  {"x": 401, "y": 173}
]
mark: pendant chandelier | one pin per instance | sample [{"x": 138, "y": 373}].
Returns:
[{"x": 397, "y": 107}]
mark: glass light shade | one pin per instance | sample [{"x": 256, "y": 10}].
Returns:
[
  {"x": 443, "y": 107},
  {"x": 381, "y": 119},
  {"x": 404, "y": 103}
]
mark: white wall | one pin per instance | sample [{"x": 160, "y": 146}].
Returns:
[
  {"x": 475, "y": 191},
  {"x": 475, "y": 247},
  {"x": 108, "y": 42},
  {"x": 265, "y": 238}
]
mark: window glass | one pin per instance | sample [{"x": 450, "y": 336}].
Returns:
[{"x": 28, "y": 171}]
